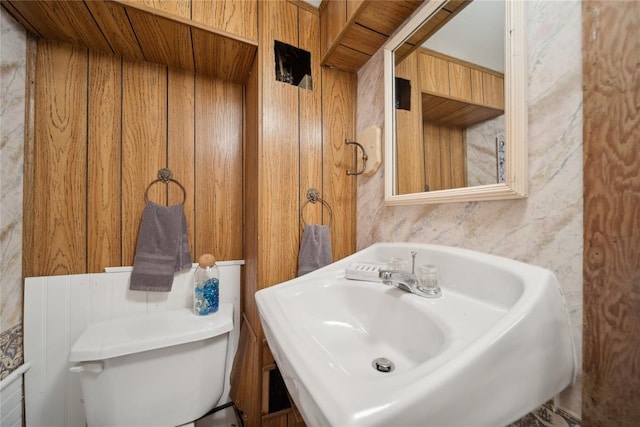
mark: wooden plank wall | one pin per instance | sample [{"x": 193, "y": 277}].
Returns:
[
  {"x": 300, "y": 145},
  {"x": 279, "y": 166},
  {"x": 103, "y": 127},
  {"x": 234, "y": 16},
  {"x": 339, "y": 189},
  {"x": 445, "y": 156},
  {"x": 409, "y": 141},
  {"x": 294, "y": 141},
  {"x": 611, "y": 357}
]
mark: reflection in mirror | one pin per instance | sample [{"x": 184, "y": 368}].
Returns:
[
  {"x": 450, "y": 139},
  {"x": 458, "y": 72}
]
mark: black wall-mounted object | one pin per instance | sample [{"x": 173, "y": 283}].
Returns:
[
  {"x": 293, "y": 65},
  {"x": 278, "y": 396},
  {"x": 403, "y": 94}
]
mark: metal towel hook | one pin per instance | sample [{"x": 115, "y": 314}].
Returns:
[
  {"x": 355, "y": 157},
  {"x": 313, "y": 196},
  {"x": 166, "y": 176}
]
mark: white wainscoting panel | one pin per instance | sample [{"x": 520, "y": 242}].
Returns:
[
  {"x": 11, "y": 397},
  {"x": 59, "y": 308}
]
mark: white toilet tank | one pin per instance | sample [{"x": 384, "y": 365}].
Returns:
[{"x": 162, "y": 369}]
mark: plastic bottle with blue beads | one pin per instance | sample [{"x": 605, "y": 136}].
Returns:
[{"x": 206, "y": 292}]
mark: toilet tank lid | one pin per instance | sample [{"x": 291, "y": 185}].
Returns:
[{"x": 119, "y": 337}]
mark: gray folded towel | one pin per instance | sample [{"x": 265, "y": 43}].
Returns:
[
  {"x": 161, "y": 250},
  {"x": 315, "y": 249}
]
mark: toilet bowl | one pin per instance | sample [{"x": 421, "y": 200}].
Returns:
[{"x": 162, "y": 369}]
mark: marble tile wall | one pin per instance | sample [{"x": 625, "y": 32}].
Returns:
[
  {"x": 12, "y": 104},
  {"x": 482, "y": 163},
  {"x": 544, "y": 229}
]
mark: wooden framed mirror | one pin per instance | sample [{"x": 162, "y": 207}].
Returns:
[{"x": 436, "y": 100}]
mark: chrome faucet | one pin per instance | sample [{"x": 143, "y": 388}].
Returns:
[
  {"x": 426, "y": 286},
  {"x": 400, "y": 279}
]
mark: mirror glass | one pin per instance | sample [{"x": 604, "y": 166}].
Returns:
[{"x": 455, "y": 109}]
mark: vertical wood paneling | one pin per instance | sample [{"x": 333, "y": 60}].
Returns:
[
  {"x": 181, "y": 144},
  {"x": 278, "y": 233},
  {"x": 104, "y": 158},
  {"x": 221, "y": 57},
  {"x": 338, "y": 110},
  {"x": 311, "y": 120},
  {"x": 493, "y": 90},
  {"x": 611, "y": 358},
  {"x": 59, "y": 209},
  {"x": 459, "y": 81},
  {"x": 410, "y": 149},
  {"x": 218, "y": 168},
  {"x": 245, "y": 375},
  {"x": 252, "y": 197},
  {"x": 162, "y": 40},
  {"x": 234, "y": 16},
  {"x": 437, "y": 81},
  {"x": 352, "y": 7},
  {"x": 144, "y": 134},
  {"x": 180, "y": 8},
  {"x": 287, "y": 155},
  {"x": 445, "y": 157},
  {"x": 431, "y": 136},
  {"x": 334, "y": 19},
  {"x": 120, "y": 37},
  {"x": 71, "y": 22},
  {"x": 30, "y": 234},
  {"x": 477, "y": 86},
  {"x": 457, "y": 146},
  {"x": 102, "y": 129}
]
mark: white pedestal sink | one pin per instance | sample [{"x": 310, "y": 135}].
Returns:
[{"x": 493, "y": 347}]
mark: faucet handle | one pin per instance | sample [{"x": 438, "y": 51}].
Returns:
[
  {"x": 385, "y": 275},
  {"x": 397, "y": 264},
  {"x": 428, "y": 281}
]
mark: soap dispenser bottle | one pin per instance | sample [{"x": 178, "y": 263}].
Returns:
[{"x": 206, "y": 291}]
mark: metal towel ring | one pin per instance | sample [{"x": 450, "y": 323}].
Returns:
[
  {"x": 165, "y": 175},
  {"x": 313, "y": 196}
]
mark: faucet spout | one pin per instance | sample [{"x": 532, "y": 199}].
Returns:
[
  {"x": 400, "y": 279},
  {"x": 408, "y": 282}
]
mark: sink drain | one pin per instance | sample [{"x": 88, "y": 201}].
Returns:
[{"x": 383, "y": 364}]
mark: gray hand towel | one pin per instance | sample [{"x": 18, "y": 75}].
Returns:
[
  {"x": 315, "y": 249},
  {"x": 161, "y": 250}
]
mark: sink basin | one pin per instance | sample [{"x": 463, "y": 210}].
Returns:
[{"x": 493, "y": 347}]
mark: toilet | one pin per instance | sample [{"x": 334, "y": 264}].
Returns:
[{"x": 167, "y": 368}]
